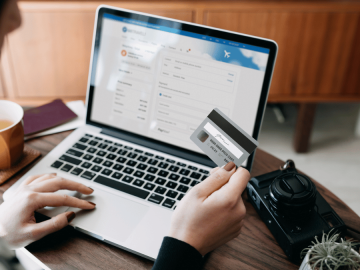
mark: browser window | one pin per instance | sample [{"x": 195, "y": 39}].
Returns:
[{"x": 162, "y": 82}]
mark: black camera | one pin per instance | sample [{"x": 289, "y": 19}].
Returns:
[{"x": 292, "y": 208}]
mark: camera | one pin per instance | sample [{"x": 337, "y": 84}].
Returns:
[{"x": 292, "y": 208}]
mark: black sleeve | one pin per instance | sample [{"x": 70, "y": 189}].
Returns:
[{"x": 177, "y": 255}]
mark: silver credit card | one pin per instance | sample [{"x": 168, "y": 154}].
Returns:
[{"x": 222, "y": 140}]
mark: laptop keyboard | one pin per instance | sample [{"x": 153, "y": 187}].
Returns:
[{"x": 142, "y": 174}]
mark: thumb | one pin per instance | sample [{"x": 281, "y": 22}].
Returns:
[{"x": 54, "y": 224}]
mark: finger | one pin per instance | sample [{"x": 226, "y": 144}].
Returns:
[
  {"x": 237, "y": 183},
  {"x": 58, "y": 183},
  {"x": 214, "y": 170},
  {"x": 53, "y": 199},
  {"x": 43, "y": 178},
  {"x": 39, "y": 230},
  {"x": 215, "y": 180},
  {"x": 32, "y": 178}
]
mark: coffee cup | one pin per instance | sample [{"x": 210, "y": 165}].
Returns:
[{"x": 11, "y": 133}]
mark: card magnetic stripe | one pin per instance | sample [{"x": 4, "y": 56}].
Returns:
[{"x": 231, "y": 131}]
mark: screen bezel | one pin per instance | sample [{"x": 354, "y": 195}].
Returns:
[{"x": 198, "y": 29}]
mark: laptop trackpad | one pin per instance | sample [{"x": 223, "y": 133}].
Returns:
[{"x": 114, "y": 216}]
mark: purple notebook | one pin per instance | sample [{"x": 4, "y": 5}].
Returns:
[{"x": 47, "y": 116}]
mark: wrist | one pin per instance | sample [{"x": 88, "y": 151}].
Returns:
[{"x": 192, "y": 241}]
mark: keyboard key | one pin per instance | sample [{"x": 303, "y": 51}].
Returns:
[
  {"x": 171, "y": 184},
  {"x": 88, "y": 157},
  {"x": 118, "y": 144},
  {"x": 122, "y": 152},
  {"x": 171, "y": 194},
  {"x": 57, "y": 164},
  {"x": 121, "y": 159},
  {"x": 138, "y": 182},
  {"x": 152, "y": 170},
  {"x": 122, "y": 187},
  {"x": 93, "y": 143},
  {"x": 86, "y": 165},
  {"x": 169, "y": 203},
  {"x": 142, "y": 158},
  {"x": 180, "y": 197},
  {"x": 141, "y": 166},
  {"x": 111, "y": 156},
  {"x": 160, "y": 181},
  {"x": 204, "y": 177},
  {"x": 79, "y": 146},
  {"x": 204, "y": 171},
  {"x": 149, "y": 177},
  {"x": 181, "y": 164},
  {"x": 185, "y": 180},
  {"x": 91, "y": 150},
  {"x": 107, "y": 141},
  {"x": 163, "y": 165},
  {"x": 101, "y": 153},
  {"x": 117, "y": 175},
  {"x": 163, "y": 173},
  {"x": 149, "y": 154},
  {"x": 192, "y": 168},
  {"x": 98, "y": 160},
  {"x": 128, "y": 147},
  {"x": 173, "y": 168},
  {"x": 138, "y": 151},
  {"x": 108, "y": 163},
  {"x": 149, "y": 186},
  {"x": 170, "y": 161},
  {"x": 96, "y": 168},
  {"x": 98, "y": 138},
  {"x": 88, "y": 175},
  {"x": 160, "y": 157},
  {"x": 131, "y": 163},
  {"x": 118, "y": 167},
  {"x": 132, "y": 155},
  {"x": 112, "y": 149},
  {"x": 183, "y": 188},
  {"x": 174, "y": 177},
  {"x": 195, "y": 175},
  {"x": 194, "y": 183},
  {"x": 76, "y": 171},
  {"x": 70, "y": 159},
  {"x": 88, "y": 135},
  {"x": 139, "y": 174},
  {"x": 184, "y": 172},
  {"x": 128, "y": 170},
  {"x": 74, "y": 153},
  {"x": 152, "y": 162},
  {"x": 155, "y": 198},
  {"x": 106, "y": 172},
  {"x": 127, "y": 179},
  {"x": 160, "y": 190},
  {"x": 67, "y": 167}
]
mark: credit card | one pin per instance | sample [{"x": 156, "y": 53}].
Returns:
[{"x": 222, "y": 140}]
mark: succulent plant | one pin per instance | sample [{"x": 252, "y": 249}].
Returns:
[{"x": 330, "y": 254}]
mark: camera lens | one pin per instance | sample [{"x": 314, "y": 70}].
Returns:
[{"x": 292, "y": 196}]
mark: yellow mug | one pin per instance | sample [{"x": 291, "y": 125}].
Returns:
[{"x": 11, "y": 133}]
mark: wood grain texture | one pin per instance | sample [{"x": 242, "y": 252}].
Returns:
[{"x": 255, "y": 248}]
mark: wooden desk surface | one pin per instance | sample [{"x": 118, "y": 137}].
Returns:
[{"x": 255, "y": 248}]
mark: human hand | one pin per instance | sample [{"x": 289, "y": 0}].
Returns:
[
  {"x": 18, "y": 226},
  {"x": 212, "y": 213}
]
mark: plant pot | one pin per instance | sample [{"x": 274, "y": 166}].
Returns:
[{"x": 306, "y": 266}]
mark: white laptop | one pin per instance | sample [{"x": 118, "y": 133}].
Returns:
[{"x": 152, "y": 80}]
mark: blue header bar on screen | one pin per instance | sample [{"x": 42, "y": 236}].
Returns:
[{"x": 188, "y": 34}]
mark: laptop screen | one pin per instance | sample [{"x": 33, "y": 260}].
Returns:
[{"x": 160, "y": 81}]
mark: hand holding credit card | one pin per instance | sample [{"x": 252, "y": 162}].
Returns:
[{"x": 222, "y": 140}]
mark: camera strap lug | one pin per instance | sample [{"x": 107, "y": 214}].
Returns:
[{"x": 289, "y": 164}]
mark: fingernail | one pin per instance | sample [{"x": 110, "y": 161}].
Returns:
[
  {"x": 70, "y": 216},
  {"x": 228, "y": 167},
  {"x": 92, "y": 203},
  {"x": 90, "y": 188}
]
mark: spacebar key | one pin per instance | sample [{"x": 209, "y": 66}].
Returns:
[{"x": 122, "y": 187}]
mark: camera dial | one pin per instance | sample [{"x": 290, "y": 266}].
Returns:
[{"x": 292, "y": 196}]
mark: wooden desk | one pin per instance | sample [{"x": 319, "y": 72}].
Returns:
[{"x": 255, "y": 248}]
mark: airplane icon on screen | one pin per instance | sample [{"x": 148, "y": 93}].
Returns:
[{"x": 227, "y": 54}]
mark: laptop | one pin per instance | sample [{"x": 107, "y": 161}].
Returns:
[{"x": 152, "y": 80}]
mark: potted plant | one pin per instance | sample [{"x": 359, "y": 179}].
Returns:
[{"x": 330, "y": 254}]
